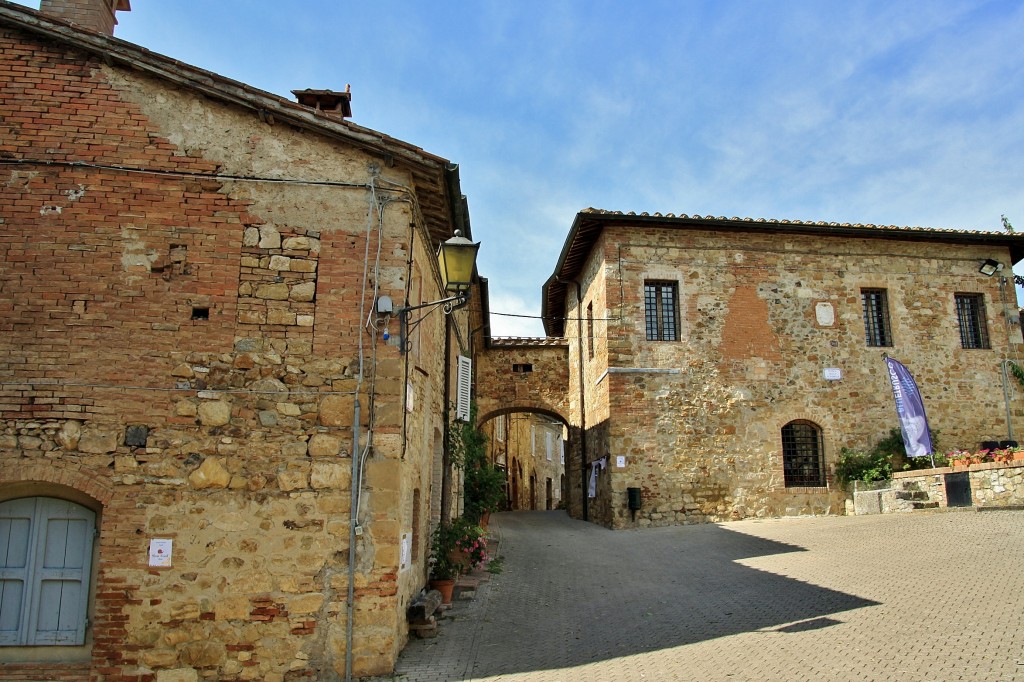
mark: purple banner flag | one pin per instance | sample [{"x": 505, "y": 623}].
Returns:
[{"x": 910, "y": 408}]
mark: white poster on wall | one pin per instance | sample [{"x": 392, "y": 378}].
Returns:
[
  {"x": 160, "y": 552},
  {"x": 406, "y": 552}
]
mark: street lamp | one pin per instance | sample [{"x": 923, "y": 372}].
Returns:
[
  {"x": 990, "y": 267},
  {"x": 456, "y": 259}
]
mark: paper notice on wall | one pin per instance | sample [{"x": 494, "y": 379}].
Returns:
[
  {"x": 406, "y": 555},
  {"x": 160, "y": 552},
  {"x": 620, "y": 461}
]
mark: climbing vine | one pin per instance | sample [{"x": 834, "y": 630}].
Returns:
[{"x": 1017, "y": 371}]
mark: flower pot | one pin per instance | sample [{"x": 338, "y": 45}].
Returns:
[
  {"x": 485, "y": 518},
  {"x": 445, "y": 587}
]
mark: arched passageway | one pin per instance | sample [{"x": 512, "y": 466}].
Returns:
[{"x": 522, "y": 389}]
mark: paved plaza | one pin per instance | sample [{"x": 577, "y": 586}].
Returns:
[{"x": 921, "y": 596}]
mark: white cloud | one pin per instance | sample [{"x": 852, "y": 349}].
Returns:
[{"x": 507, "y": 325}]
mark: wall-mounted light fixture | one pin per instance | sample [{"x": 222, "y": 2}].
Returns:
[
  {"x": 456, "y": 259},
  {"x": 990, "y": 267}
]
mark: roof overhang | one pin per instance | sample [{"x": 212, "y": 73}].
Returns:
[
  {"x": 442, "y": 204},
  {"x": 589, "y": 223}
]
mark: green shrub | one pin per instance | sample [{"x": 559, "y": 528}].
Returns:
[
  {"x": 484, "y": 483},
  {"x": 888, "y": 455},
  {"x": 857, "y": 466}
]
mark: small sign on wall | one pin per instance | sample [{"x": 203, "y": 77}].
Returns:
[
  {"x": 405, "y": 559},
  {"x": 833, "y": 373},
  {"x": 824, "y": 314},
  {"x": 620, "y": 461},
  {"x": 160, "y": 552}
]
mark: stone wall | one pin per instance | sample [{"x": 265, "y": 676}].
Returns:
[
  {"x": 993, "y": 484},
  {"x": 181, "y": 354},
  {"x": 698, "y": 421},
  {"x": 522, "y": 375},
  {"x": 527, "y": 458}
]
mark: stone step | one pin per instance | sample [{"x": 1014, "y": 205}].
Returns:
[
  {"x": 912, "y": 495},
  {"x": 925, "y": 505},
  {"x": 425, "y": 630}
]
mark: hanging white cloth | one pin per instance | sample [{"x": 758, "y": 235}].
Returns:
[{"x": 596, "y": 466}]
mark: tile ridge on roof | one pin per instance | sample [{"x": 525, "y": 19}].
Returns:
[
  {"x": 787, "y": 221},
  {"x": 528, "y": 341}
]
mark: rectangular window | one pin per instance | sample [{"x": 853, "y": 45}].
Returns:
[
  {"x": 875, "y": 304},
  {"x": 970, "y": 312},
  {"x": 499, "y": 429},
  {"x": 660, "y": 311}
]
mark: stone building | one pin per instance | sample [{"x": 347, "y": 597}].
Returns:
[
  {"x": 199, "y": 353},
  {"x": 719, "y": 366},
  {"x": 531, "y": 449}
]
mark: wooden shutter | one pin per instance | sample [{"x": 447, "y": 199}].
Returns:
[
  {"x": 464, "y": 383},
  {"x": 15, "y": 532},
  {"x": 51, "y": 583}
]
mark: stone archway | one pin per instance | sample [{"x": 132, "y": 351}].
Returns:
[
  {"x": 531, "y": 376},
  {"x": 523, "y": 375}
]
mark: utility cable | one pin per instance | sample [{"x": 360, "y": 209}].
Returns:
[{"x": 181, "y": 173}]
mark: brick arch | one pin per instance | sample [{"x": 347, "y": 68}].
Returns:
[
  {"x": 503, "y": 387},
  {"x": 526, "y": 407},
  {"x": 822, "y": 421},
  {"x": 55, "y": 473}
]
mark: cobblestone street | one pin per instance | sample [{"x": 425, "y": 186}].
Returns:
[{"x": 923, "y": 596}]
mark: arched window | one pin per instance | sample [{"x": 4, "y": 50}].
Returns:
[
  {"x": 803, "y": 457},
  {"x": 45, "y": 562}
]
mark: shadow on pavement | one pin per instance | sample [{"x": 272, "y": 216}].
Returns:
[{"x": 574, "y": 593}]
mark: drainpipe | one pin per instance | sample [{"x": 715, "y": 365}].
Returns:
[
  {"x": 446, "y": 474},
  {"x": 1006, "y": 399},
  {"x": 353, "y": 521},
  {"x": 583, "y": 403},
  {"x": 1006, "y": 363}
]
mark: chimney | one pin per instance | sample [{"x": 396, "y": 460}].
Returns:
[
  {"x": 95, "y": 15},
  {"x": 331, "y": 102}
]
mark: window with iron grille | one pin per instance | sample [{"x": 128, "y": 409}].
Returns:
[
  {"x": 875, "y": 304},
  {"x": 803, "y": 460},
  {"x": 970, "y": 312},
  {"x": 660, "y": 311}
]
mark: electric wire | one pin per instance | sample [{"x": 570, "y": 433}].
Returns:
[
  {"x": 183, "y": 174},
  {"x": 189, "y": 389}
]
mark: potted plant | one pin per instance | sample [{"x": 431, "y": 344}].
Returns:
[
  {"x": 445, "y": 563},
  {"x": 1002, "y": 455},
  {"x": 484, "y": 491},
  {"x": 959, "y": 458},
  {"x": 470, "y": 544},
  {"x": 484, "y": 483}
]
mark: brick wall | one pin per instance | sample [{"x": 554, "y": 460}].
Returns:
[
  {"x": 95, "y": 15},
  {"x": 181, "y": 354}
]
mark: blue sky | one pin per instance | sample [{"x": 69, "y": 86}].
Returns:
[{"x": 905, "y": 113}]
